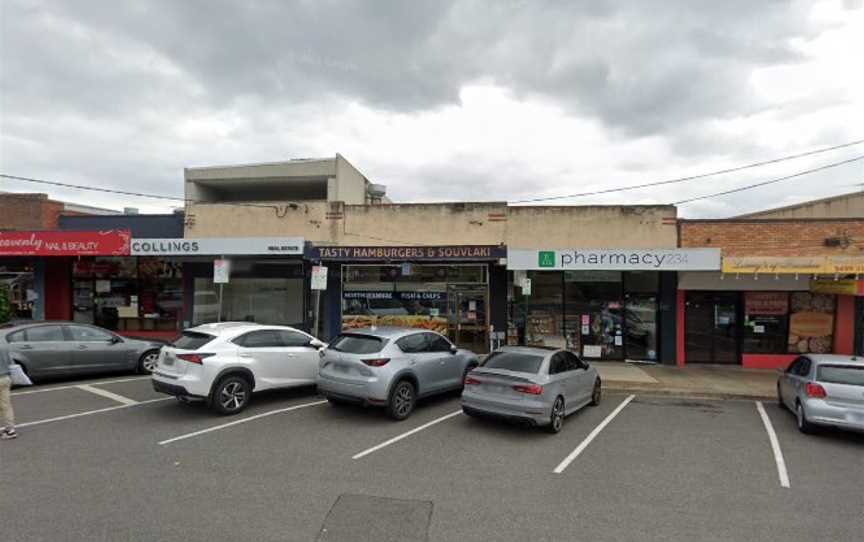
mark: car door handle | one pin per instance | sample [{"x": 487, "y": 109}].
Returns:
[
  {"x": 82, "y": 347},
  {"x": 25, "y": 347},
  {"x": 245, "y": 355}
]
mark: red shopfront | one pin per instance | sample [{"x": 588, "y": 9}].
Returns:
[{"x": 54, "y": 253}]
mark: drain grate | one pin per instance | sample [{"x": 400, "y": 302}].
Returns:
[{"x": 359, "y": 518}]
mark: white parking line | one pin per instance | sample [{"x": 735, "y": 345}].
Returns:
[
  {"x": 775, "y": 445},
  {"x": 89, "y": 412},
  {"x": 236, "y": 422},
  {"x": 404, "y": 435},
  {"x": 110, "y": 395},
  {"x": 591, "y": 436},
  {"x": 70, "y": 386}
]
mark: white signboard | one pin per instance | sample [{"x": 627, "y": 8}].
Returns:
[
  {"x": 319, "y": 277},
  {"x": 221, "y": 271},
  {"x": 591, "y": 351},
  {"x": 214, "y": 246},
  {"x": 619, "y": 259}
]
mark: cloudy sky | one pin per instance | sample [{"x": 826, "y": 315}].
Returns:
[{"x": 439, "y": 100}]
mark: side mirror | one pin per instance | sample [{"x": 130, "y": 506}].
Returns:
[
  {"x": 315, "y": 343},
  {"x": 115, "y": 339},
  {"x": 454, "y": 349}
]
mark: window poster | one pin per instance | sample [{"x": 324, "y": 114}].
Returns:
[{"x": 811, "y": 324}]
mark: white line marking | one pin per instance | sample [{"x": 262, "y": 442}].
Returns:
[
  {"x": 236, "y": 422},
  {"x": 70, "y": 386},
  {"x": 591, "y": 436},
  {"x": 89, "y": 412},
  {"x": 110, "y": 395},
  {"x": 775, "y": 445},
  {"x": 404, "y": 435}
]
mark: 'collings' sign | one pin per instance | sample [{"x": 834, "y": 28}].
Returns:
[{"x": 212, "y": 246}]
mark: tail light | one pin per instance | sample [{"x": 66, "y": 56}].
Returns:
[
  {"x": 816, "y": 391},
  {"x": 194, "y": 358},
  {"x": 377, "y": 362},
  {"x": 533, "y": 389},
  {"x": 471, "y": 381}
]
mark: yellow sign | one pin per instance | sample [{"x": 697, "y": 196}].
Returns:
[
  {"x": 815, "y": 265},
  {"x": 841, "y": 287}
]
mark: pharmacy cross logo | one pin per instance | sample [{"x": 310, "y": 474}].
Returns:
[{"x": 546, "y": 258}]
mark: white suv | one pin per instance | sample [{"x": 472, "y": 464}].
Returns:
[{"x": 224, "y": 363}]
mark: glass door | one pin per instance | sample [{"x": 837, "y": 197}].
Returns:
[
  {"x": 711, "y": 327},
  {"x": 82, "y": 301},
  {"x": 640, "y": 327},
  {"x": 468, "y": 316}
]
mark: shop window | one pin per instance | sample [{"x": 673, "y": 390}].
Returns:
[
  {"x": 811, "y": 323},
  {"x": 646, "y": 282},
  {"x": 766, "y": 319},
  {"x": 128, "y": 294},
  {"x": 594, "y": 313},
  {"x": 448, "y": 299},
  {"x": 262, "y": 300},
  {"x": 18, "y": 279}
]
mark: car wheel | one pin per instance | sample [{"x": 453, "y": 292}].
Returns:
[
  {"x": 801, "y": 417},
  {"x": 402, "y": 400},
  {"x": 147, "y": 362},
  {"x": 556, "y": 418},
  {"x": 597, "y": 394},
  {"x": 780, "y": 402},
  {"x": 231, "y": 395}
]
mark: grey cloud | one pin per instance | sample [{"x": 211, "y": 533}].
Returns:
[{"x": 641, "y": 67}]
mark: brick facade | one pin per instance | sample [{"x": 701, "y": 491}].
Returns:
[
  {"x": 30, "y": 212},
  {"x": 776, "y": 237}
]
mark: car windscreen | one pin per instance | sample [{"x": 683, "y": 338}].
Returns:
[
  {"x": 841, "y": 374},
  {"x": 351, "y": 343},
  {"x": 514, "y": 361},
  {"x": 190, "y": 340}
]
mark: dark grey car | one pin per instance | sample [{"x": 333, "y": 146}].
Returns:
[{"x": 52, "y": 349}]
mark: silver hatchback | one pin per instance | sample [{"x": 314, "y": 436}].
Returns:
[
  {"x": 391, "y": 367},
  {"x": 824, "y": 390},
  {"x": 536, "y": 385}
]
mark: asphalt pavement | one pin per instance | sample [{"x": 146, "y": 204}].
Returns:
[{"x": 109, "y": 459}]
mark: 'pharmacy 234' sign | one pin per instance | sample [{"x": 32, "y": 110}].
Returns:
[{"x": 579, "y": 259}]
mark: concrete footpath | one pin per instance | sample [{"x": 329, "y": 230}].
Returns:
[{"x": 704, "y": 381}]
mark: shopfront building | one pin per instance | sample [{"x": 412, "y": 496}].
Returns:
[
  {"x": 458, "y": 291},
  {"x": 266, "y": 282},
  {"x": 786, "y": 288},
  {"x": 606, "y": 304}
]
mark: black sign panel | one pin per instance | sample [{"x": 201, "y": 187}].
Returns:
[{"x": 448, "y": 253}]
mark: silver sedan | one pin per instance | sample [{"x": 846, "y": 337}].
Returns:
[
  {"x": 824, "y": 390},
  {"x": 536, "y": 385}
]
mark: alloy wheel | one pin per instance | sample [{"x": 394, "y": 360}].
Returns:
[
  {"x": 597, "y": 395},
  {"x": 232, "y": 396},
  {"x": 150, "y": 361},
  {"x": 403, "y": 400},
  {"x": 557, "y": 414},
  {"x": 799, "y": 416}
]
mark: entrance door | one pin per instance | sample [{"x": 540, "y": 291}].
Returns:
[
  {"x": 468, "y": 317},
  {"x": 640, "y": 327},
  {"x": 711, "y": 327},
  {"x": 83, "y": 302}
]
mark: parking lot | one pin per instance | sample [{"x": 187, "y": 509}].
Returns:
[{"x": 109, "y": 459}]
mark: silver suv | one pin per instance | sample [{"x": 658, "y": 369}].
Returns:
[{"x": 391, "y": 367}]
